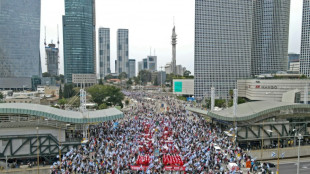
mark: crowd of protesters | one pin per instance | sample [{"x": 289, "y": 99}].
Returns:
[{"x": 153, "y": 128}]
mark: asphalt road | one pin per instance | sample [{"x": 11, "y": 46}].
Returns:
[{"x": 291, "y": 168}]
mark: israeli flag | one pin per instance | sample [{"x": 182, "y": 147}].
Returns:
[
  {"x": 273, "y": 154},
  {"x": 282, "y": 155}
]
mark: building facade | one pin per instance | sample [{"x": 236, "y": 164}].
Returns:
[
  {"x": 270, "y": 89},
  {"x": 104, "y": 52},
  {"x": 140, "y": 66},
  {"x": 132, "y": 68},
  {"x": 52, "y": 59},
  {"x": 292, "y": 58},
  {"x": 122, "y": 64},
  {"x": 305, "y": 40},
  {"x": 79, "y": 31},
  {"x": 270, "y": 29},
  {"x": 152, "y": 63},
  {"x": 222, "y": 45},
  {"x": 183, "y": 86},
  {"x": 19, "y": 42}
]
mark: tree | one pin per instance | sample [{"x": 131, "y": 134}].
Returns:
[
  {"x": 62, "y": 78},
  {"x": 231, "y": 93},
  {"x": 100, "y": 82},
  {"x": 156, "y": 81},
  {"x": 62, "y": 102},
  {"x": 61, "y": 94},
  {"x": 145, "y": 76},
  {"x": 221, "y": 103},
  {"x": 186, "y": 73},
  {"x": 303, "y": 76},
  {"x": 57, "y": 78},
  {"x": 108, "y": 77},
  {"x": 1, "y": 96},
  {"x": 136, "y": 80},
  {"x": 122, "y": 75},
  {"x": 110, "y": 95},
  {"x": 129, "y": 82},
  {"x": 46, "y": 74},
  {"x": 103, "y": 106},
  {"x": 127, "y": 102},
  {"x": 68, "y": 90}
]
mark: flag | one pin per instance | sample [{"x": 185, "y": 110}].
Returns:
[
  {"x": 282, "y": 155},
  {"x": 273, "y": 154}
]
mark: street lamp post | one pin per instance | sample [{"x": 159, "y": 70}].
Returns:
[
  {"x": 38, "y": 149},
  {"x": 262, "y": 145},
  {"x": 299, "y": 138}
]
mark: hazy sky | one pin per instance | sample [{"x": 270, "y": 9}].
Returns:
[{"x": 150, "y": 24}]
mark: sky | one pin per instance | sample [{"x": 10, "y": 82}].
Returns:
[{"x": 150, "y": 24}]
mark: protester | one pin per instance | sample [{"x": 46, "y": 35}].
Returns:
[{"x": 153, "y": 138}]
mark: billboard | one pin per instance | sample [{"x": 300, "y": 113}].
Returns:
[{"x": 178, "y": 86}]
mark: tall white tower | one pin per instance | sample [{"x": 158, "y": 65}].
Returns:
[{"x": 174, "y": 43}]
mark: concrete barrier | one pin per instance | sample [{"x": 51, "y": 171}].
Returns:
[
  {"x": 34, "y": 170},
  {"x": 289, "y": 152}
]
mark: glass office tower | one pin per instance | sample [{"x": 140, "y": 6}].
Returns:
[
  {"x": 305, "y": 40},
  {"x": 122, "y": 51},
  {"x": 270, "y": 36},
  {"x": 222, "y": 45},
  {"x": 19, "y": 42},
  {"x": 104, "y": 52},
  {"x": 79, "y": 32}
]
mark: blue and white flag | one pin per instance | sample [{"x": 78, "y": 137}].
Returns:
[
  {"x": 282, "y": 154},
  {"x": 273, "y": 154}
]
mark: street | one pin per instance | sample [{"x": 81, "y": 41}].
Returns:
[{"x": 289, "y": 166}]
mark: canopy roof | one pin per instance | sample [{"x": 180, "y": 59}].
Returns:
[
  {"x": 250, "y": 110},
  {"x": 59, "y": 114}
]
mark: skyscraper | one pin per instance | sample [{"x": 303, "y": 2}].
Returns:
[
  {"x": 305, "y": 40},
  {"x": 79, "y": 31},
  {"x": 19, "y": 42},
  {"x": 52, "y": 56},
  {"x": 122, "y": 51},
  {"x": 222, "y": 45},
  {"x": 152, "y": 63},
  {"x": 270, "y": 36},
  {"x": 132, "y": 68},
  {"x": 104, "y": 52},
  {"x": 174, "y": 43}
]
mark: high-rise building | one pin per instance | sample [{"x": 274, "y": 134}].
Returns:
[
  {"x": 270, "y": 29},
  {"x": 122, "y": 51},
  {"x": 19, "y": 42},
  {"x": 79, "y": 32},
  {"x": 293, "y": 58},
  {"x": 52, "y": 59},
  {"x": 174, "y": 43},
  {"x": 223, "y": 32},
  {"x": 305, "y": 40},
  {"x": 104, "y": 52},
  {"x": 132, "y": 68},
  {"x": 140, "y": 66},
  {"x": 152, "y": 63}
]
